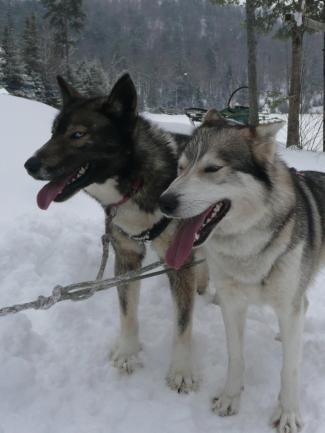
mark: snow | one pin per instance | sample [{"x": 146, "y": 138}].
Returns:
[
  {"x": 178, "y": 123},
  {"x": 3, "y": 91},
  {"x": 55, "y": 373}
]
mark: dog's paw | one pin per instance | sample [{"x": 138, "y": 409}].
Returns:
[
  {"x": 126, "y": 364},
  {"x": 225, "y": 405},
  {"x": 286, "y": 421},
  {"x": 182, "y": 383},
  {"x": 126, "y": 361}
]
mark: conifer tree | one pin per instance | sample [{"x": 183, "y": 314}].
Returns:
[
  {"x": 292, "y": 13},
  {"x": 67, "y": 19},
  {"x": 2, "y": 67},
  {"x": 13, "y": 68},
  {"x": 90, "y": 78},
  {"x": 31, "y": 45},
  {"x": 34, "y": 68}
]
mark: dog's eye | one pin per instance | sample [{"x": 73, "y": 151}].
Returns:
[
  {"x": 78, "y": 134},
  {"x": 211, "y": 168}
]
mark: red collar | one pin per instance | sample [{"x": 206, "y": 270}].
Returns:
[{"x": 135, "y": 187}]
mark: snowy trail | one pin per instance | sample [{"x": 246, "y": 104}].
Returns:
[{"x": 55, "y": 375}]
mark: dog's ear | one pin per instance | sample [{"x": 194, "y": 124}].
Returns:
[
  {"x": 122, "y": 101},
  {"x": 68, "y": 93},
  {"x": 263, "y": 141},
  {"x": 213, "y": 118},
  {"x": 269, "y": 130}
]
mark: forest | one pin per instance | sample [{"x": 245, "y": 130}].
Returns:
[{"x": 180, "y": 53}]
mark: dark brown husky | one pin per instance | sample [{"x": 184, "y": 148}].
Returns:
[{"x": 102, "y": 146}]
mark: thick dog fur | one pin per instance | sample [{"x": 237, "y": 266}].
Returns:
[
  {"x": 266, "y": 247},
  {"x": 118, "y": 149}
]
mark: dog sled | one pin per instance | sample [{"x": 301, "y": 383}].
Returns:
[{"x": 235, "y": 113}]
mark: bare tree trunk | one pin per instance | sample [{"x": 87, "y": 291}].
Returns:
[
  {"x": 295, "y": 86},
  {"x": 251, "y": 62}
]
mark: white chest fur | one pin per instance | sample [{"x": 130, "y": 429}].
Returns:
[
  {"x": 106, "y": 193},
  {"x": 246, "y": 263},
  {"x": 129, "y": 217}
]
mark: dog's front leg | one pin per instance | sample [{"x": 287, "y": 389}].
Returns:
[
  {"x": 234, "y": 309},
  {"x": 128, "y": 257},
  {"x": 287, "y": 416},
  {"x": 180, "y": 376},
  {"x": 201, "y": 271}
]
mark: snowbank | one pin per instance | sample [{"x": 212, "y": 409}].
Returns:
[{"x": 55, "y": 375}]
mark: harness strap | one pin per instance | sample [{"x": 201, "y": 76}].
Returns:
[
  {"x": 146, "y": 235},
  {"x": 154, "y": 232},
  {"x": 111, "y": 209},
  {"x": 110, "y": 212}
]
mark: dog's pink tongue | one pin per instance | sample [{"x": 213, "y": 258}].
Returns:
[
  {"x": 51, "y": 190},
  {"x": 181, "y": 247}
]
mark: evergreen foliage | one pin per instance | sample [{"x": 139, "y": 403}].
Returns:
[
  {"x": 2, "y": 67},
  {"x": 13, "y": 67},
  {"x": 179, "y": 53},
  {"x": 66, "y": 18}
]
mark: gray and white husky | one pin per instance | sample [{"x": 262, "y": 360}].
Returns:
[
  {"x": 263, "y": 225},
  {"x": 103, "y": 146}
]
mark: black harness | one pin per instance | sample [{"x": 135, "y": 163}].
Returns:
[
  {"x": 153, "y": 233},
  {"x": 146, "y": 235}
]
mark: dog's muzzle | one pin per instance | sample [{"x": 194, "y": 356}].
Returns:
[
  {"x": 168, "y": 203},
  {"x": 33, "y": 165}
]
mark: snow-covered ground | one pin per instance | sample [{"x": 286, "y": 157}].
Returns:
[
  {"x": 310, "y": 130},
  {"x": 55, "y": 375}
]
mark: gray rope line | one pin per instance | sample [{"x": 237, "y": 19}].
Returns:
[
  {"x": 84, "y": 290},
  {"x": 105, "y": 246},
  {"x": 106, "y": 238}
]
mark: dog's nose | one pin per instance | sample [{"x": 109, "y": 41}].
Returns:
[
  {"x": 168, "y": 203},
  {"x": 32, "y": 165}
]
